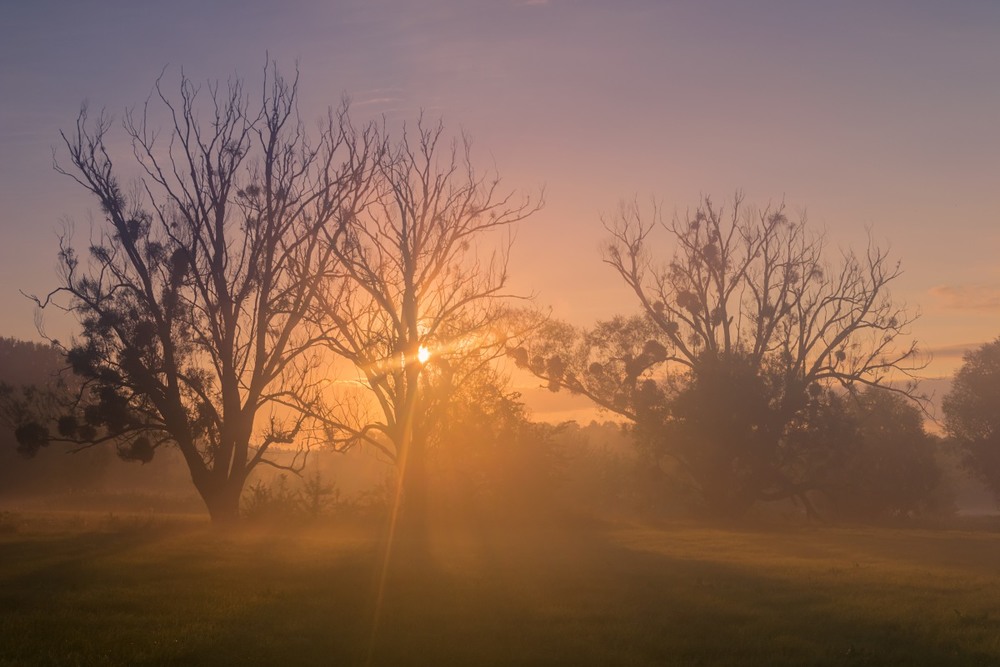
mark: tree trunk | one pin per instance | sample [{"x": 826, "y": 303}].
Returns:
[
  {"x": 415, "y": 484},
  {"x": 415, "y": 497},
  {"x": 222, "y": 499}
]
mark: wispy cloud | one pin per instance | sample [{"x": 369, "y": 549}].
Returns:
[
  {"x": 378, "y": 100},
  {"x": 967, "y": 297},
  {"x": 377, "y": 96},
  {"x": 954, "y": 351}
]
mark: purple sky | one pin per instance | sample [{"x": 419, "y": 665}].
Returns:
[{"x": 883, "y": 115}]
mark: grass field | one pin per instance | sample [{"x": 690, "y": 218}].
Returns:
[{"x": 78, "y": 590}]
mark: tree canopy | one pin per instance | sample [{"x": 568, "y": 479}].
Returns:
[
  {"x": 972, "y": 412},
  {"x": 745, "y": 329},
  {"x": 193, "y": 292},
  {"x": 417, "y": 300}
]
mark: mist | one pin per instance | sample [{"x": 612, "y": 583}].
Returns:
[{"x": 507, "y": 332}]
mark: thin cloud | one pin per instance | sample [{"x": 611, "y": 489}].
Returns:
[
  {"x": 955, "y": 351},
  {"x": 378, "y": 100},
  {"x": 967, "y": 297},
  {"x": 377, "y": 96}
]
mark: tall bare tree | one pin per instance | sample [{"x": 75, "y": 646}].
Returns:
[
  {"x": 194, "y": 291},
  {"x": 415, "y": 305},
  {"x": 741, "y": 331}
]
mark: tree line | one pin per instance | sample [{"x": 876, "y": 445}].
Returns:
[{"x": 262, "y": 288}]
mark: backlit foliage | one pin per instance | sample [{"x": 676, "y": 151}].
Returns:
[{"x": 742, "y": 332}]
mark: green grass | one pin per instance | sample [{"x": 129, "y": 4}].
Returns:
[{"x": 135, "y": 591}]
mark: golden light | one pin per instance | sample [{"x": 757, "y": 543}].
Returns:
[{"x": 423, "y": 354}]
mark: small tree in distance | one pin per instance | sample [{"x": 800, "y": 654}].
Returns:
[
  {"x": 193, "y": 293},
  {"x": 972, "y": 413},
  {"x": 885, "y": 469}
]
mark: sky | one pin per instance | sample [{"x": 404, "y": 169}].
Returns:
[{"x": 880, "y": 118}]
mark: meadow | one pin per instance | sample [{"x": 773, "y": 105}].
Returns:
[{"x": 104, "y": 589}]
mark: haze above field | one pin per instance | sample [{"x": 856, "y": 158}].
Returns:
[{"x": 880, "y": 118}]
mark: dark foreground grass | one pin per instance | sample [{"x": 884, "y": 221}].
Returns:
[{"x": 176, "y": 593}]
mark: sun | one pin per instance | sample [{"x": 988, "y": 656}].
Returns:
[{"x": 423, "y": 354}]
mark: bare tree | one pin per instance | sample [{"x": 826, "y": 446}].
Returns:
[
  {"x": 742, "y": 330},
  {"x": 414, "y": 305},
  {"x": 193, "y": 292}
]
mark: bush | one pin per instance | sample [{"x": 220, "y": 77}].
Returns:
[{"x": 277, "y": 499}]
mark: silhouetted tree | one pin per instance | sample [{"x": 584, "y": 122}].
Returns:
[
  {"x": 193, "y": 292},
  {"x": 32, "y": 375},
  {"x": 27, "y": 363},
  {"x": 972, "y": 413},
  {"x": 742, "y": 330},
  {"x": 415, "y": 306},
  {"x": 31, "y": 380},
  {"x": 886, "y": 468}
]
